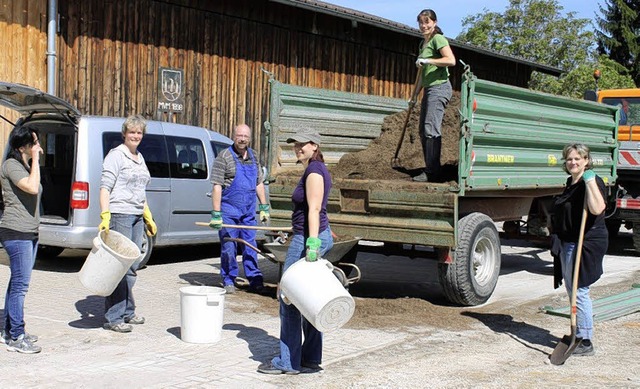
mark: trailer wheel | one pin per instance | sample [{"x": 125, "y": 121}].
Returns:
[
  {"x": 613, "y": 226},
  {"x": 636, "y": 236},
  {"x": 473, "y": 275}
]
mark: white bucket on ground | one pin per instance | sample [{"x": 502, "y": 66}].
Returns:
[
  {"x": 317, "y": 293},
  {"x": 201, "y": 313},
  {"x": 107, "y": 263}
]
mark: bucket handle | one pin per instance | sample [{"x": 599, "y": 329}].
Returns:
[
  {"x": 213, "y": 299},
  {"x": 97, "y": 244}
]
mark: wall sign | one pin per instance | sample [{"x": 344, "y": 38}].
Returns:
[{"x": 170, "y": 90}]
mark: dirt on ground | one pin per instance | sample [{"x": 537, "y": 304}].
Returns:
[{"x": 375, "y": 161}]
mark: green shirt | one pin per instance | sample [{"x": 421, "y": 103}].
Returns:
[{"x": 432, "y": 74}]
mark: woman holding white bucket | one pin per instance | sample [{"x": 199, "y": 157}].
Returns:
[
  {"x": 311, "y": 238},
  {"x": 21, "y": 191},
  {"x": 124, "y": 209}
]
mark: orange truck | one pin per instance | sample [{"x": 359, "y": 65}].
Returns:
[{"x": 624, "y": 205}]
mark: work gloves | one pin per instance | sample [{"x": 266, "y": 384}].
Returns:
[
  {"x": 422, "y": 62},
  {"x": 588, "y": 175},
  {"x": 313, "y": 249},
  {"x": 106, "y": 219},
  {"x": 264, "y": 213},
  {"x": 216, "y": 220},
  {"x": 150, "y": 225}
]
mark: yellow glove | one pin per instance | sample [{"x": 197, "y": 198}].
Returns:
[
  {"x": 151, "y": 229},
  {"x": 106, "y": 219}
]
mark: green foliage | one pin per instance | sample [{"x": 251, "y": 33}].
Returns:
[
  {"x": 580, "y": 79},
  {"x": 535, "y": 30},
  {"x": 618, "y": 32},
  {"x": 538, "y": 31}
]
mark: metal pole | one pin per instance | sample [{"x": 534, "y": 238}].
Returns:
[{"x": 52, "y": 13}]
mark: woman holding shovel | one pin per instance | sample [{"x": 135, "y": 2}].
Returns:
[
  {"x": 584, "y": 191},
  {"x": 433, "y": 61},
  {"x": 311, "y": 239}
]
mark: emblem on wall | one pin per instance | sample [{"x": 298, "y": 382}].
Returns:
[{"x": 170, "y": 90}]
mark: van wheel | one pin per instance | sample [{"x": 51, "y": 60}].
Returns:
[
  {"x": 49, "y": 251},
  {"x": 147, "y": 248},
  {"x": 473, "y": 275}
]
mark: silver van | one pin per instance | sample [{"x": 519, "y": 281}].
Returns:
[{"x": 179, "y": 158}]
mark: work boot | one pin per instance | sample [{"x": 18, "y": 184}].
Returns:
[{"x": 422, "y": 177}]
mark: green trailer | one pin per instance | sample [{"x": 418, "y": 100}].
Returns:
[{"x": 510, "y": 163}]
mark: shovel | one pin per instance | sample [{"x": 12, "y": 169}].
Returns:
[
  {"x": 395, "y": 162},
  {"x": 261, "y": 228},
  {"x": 568, "y": 344}
]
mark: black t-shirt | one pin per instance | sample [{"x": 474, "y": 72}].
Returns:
[{"x": 568, "y": 213}]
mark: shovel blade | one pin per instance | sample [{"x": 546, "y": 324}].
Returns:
[{"x": 563, "y": 350}]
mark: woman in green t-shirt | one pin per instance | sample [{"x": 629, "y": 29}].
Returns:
[{"x": 434, "y": 59}]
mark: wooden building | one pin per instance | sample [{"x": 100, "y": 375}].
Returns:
[{"x": 110, "y": 55}]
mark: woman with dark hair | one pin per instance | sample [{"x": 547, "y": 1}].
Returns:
[
  {"x": 311, "y": 239},
  {"x": 434, "y": 59},
  {"x": 21, "y": 191},
  {"x": 583, "y": 189}
]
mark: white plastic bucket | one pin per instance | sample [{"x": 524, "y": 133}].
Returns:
[
  {"x": 4, "y": 257},
  {"x": 317, "y": 293},
  {"x": 107, "y": 263},
  {"x": 201, "y": 313}
]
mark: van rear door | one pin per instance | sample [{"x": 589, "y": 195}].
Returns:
[{"x": 189, "y": 155}]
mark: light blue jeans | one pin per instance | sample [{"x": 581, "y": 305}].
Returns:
[
  {"x": 120, "y": 304},
  {"x": 293, "y": 352},
  {"x": 22, "y": 257},
  {"x": 584, "y": 305}
]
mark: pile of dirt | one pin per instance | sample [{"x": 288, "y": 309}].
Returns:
[{"x": 374, "y": 162}]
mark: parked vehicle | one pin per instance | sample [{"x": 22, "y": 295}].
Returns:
[
  {"x": 179, "y": 158},
  {"x": 510, "y": 164},
  {"x": 624, "y": 206}
]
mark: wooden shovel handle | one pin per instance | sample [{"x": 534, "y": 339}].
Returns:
[
  {"x": 263, "y": 228},
  {"x": 576, "y": 267}
]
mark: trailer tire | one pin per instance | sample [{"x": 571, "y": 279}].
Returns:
[
  {"x": 473, "y": 275},
  {"x": 636, "y": 237}
]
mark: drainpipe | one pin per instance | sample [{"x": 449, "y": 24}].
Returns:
[{"x": 52, "y": 13}]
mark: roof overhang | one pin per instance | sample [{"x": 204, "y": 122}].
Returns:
[{"x": 376, "y": 21}]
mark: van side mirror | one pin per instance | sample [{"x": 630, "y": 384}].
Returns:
[{"x": 590, "y": 95}]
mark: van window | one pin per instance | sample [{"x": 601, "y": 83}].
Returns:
[
  {"x": 217, "y": 148},
  {"x": 152, "y": 148},
  {"x": 187, "y": 158}
]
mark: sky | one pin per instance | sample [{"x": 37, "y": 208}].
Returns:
[{"x": 451, "y": 12}]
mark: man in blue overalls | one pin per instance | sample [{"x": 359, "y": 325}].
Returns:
[{"x": 237, "y": 180}]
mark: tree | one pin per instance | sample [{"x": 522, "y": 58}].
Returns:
[
  {"x": 580, "y": 79},
  {"x": 618, "y": 34},
  {"x": 535, "y": 30}
]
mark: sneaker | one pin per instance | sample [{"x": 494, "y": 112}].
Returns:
[
  {"x": 22, "y": 345},
  {"x": 584, "y": 349},
  {"x": 30, "y": 338},
  {"x": 310, "y": 367},
  {"x": 230, "y": 289},
  {"x": 268, "y": 368},
  {"x": 120, "y": 327},
  {"x": 134, "y": 320},
  {"x": 422, "y": 177}
]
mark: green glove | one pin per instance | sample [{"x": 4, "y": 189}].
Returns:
[
  {"x": 588, "y": 175},
  {"x": 105, "y": 219},
  {"x": 216, "y": 220},
  {"x": 313, "y": 249},
  {"x": 264, "y": 213}
]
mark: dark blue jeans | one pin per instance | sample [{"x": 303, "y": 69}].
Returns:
[
  {"x": 293, "y": 351},
  {"x": 120, "y": 304},
  {"x": 22, "y": 257}
]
